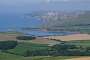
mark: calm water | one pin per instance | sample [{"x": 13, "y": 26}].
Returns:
[
  {"x": 17, "y": 21},
  {"x": 47, "y": 33}
]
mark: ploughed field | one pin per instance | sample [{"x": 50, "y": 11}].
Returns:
[
  {"x": 9, "y": 35},
  {"x": 71, "y": 37}
]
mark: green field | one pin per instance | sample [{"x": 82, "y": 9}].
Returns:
[
  {"x": 53, "y": 58},
  {"x": 6, "y": 56},
  {"x": 11, "y": 32},
  {"x": 23, "y": 47}
]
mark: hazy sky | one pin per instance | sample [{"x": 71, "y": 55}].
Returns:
[{"x": 7, "y": 6}]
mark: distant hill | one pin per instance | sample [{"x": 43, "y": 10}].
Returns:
[{"x": 57, "y": 19}]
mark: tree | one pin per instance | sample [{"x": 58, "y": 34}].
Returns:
[
  {"x": 25, "y": 37},
  {"x": 5, "y": 45},
  {"x": 27, "y": 53}
]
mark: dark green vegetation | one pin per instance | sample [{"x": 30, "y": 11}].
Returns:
[
  {"x": 85, "y": 43},
  {"x": 23, "y": 48},
  {"x": 5, "y": 45},
  {"x": 25, "y": 37},
  {"x": 7, "y": 56}
]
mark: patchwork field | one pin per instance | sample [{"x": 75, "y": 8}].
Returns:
[
  {"x": 20, "y": 50},
  {"x": 42, "y": 44},
  {"x": 22, "y": 47}
]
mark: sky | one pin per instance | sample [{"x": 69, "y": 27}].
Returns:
[{"x": 19, "y": 6}]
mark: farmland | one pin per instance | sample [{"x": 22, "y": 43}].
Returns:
[{"x": 20, "y": 52}]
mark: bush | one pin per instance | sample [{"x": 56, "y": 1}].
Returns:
[
  {"x": 5, "y": 45},
  {"x": 25, "y": 37}
]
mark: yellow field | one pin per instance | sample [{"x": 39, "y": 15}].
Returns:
[
  {"x": 70, "y": 37},
  {"x": 42, "y": 41}
]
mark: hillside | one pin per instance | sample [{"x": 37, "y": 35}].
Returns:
[{"x": 60, "y": 21}]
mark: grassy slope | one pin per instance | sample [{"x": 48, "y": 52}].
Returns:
[
  {"x": 22, "y": 47},
  {"x": 52, "y": 58},
  {"x": 5, "y": 56},
  {"x": 10, "y": 32}
]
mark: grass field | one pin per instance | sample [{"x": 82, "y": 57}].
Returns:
[
  {"x": 6, "y": 56},
  {"x": 22, "y": 47},
  {"x": 53, "y": 58}
]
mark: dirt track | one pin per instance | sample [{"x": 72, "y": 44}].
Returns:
[{"x": 81, "y": 58}]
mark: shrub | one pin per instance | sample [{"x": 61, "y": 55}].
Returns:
[
  {"x": 5, "y": 45},
  {"x": 25, "y": 37}
]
